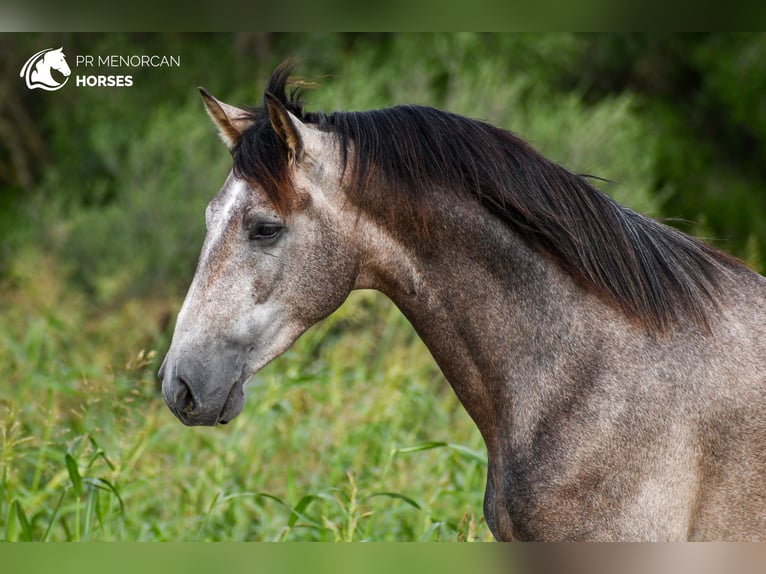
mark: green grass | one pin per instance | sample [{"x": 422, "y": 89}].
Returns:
[{"x": 352, "y": 435}]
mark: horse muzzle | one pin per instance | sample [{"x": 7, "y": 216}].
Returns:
[{"x": 197, "y": 400}]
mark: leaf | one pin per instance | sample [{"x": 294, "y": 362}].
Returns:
[
  {"x": 406, "y": 499},
  {"x": 432, "y": 530},
  {"x": 272, "y": 497},
  {"x": 99, "y": 454},
  {"x": 74, "y": 474},
  {"x": 26, "y": 528},
  {"x": 53, "y": 516},
  {"x": 298, "y": 511},
  {"x": 466, "y": 452},
  {"x": 422, "y": 446},
  {"x": 105, "y": 485},
  {"x": 473, "y": 455},
  {"x": 91, "y": 501}
]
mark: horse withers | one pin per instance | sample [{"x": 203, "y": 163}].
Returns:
[{"x": 615, "y": 367}]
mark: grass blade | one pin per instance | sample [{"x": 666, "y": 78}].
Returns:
[
  {"x": 432, "y": 534},
  {"x": 26, "y": 528},
  {"x": 298, "y": 511},
  {"x": 469, "y": 454},
  {"x": 406, "y": 499},
  {"x": 99, "y": 454},
  {"x": 422, "y": 446},
  {"x": 90, "y": 503},
  {"x": 74, "y": 474},
  {"x": 466, "y": 452},
  {"x": 204, "y": 524},
  {"x": 53, "y": 517},
  {"x": 105, "y": 485}
]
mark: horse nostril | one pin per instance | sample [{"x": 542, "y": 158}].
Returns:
[{"x": 183, "y": 397}]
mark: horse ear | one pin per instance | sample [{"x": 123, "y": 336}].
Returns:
[
  {"x": 230, "y": 120},
  {"x": 286, "y": 125}
]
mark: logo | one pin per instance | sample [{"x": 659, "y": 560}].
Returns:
[
  {"x": 37, "y": 70},
  {"x": 48, "y": 69}
]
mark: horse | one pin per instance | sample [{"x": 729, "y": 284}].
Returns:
[
  {"x": 615, "y": 366},
  {"x": 37, "y": 70}
]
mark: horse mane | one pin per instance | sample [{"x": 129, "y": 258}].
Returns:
[{"x": 654, "y": 273}]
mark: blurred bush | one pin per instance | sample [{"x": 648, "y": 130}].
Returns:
[
  {"x": 703, "y": 95},
  {"x": 113, "y": 183}
]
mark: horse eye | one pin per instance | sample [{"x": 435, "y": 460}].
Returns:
[{"x": 264, "y": 230}]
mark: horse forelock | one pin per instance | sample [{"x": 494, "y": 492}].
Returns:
[{"x": 260, "y": 156}]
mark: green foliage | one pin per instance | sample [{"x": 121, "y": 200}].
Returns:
[
  {"x": 353, "y": 434},
  {"x": 149, "y": 234},
  {"x": 702, "y": 96},
  {"x": 324, "y": 453}
]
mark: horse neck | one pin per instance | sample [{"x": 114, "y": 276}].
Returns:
[{"x": 492, "y": 311}]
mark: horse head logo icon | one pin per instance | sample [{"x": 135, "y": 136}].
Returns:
[{"x": 37, "y": 70}]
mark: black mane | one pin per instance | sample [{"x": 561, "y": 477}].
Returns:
[{"x": 653, "y": 272}]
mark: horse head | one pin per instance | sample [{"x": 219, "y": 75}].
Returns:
[{"x": 274, "y": 259}]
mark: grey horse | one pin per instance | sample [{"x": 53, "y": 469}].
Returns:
[{"x": 615, "y": 367}]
